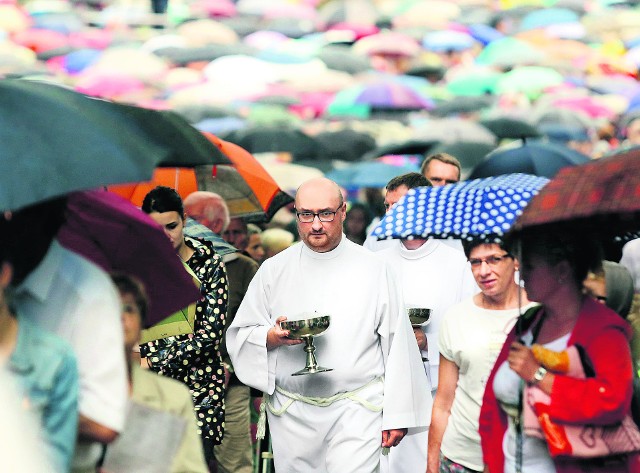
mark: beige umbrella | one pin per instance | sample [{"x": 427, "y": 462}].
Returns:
[
  {"x": 204, "y": 31},
  {"x": 287, "y": 175}
]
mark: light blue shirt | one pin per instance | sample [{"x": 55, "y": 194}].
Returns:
[{"x": 44, "y": 367}]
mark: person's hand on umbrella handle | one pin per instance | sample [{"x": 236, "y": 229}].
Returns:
[
  {"x": 277, "y": 337},
  {"x": 522, "y": 361},
  {"x": 392, "y": 437}
]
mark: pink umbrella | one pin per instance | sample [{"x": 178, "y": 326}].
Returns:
[
  {"x": 41, "y": 40},
  {"x": 108, "y": 86},
  {"x": 586, "y": 104},
  {"x": 387, "y": 43},
  {"x": 213, "y": 8}
]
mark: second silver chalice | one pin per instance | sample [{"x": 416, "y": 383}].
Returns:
[
  {"x": 419, "y": 316},
  {"x": 306, "y": 329}
]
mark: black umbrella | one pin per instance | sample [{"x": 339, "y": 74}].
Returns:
[
  {"x": 54, "y": 141},
  {"x": 266, "y": 139},
  {"x": 510, "y": 127},
  {"x": 422, "y": 147},
  {"x": 531, "y": 157},
  {"x": 347, "y": 145}
]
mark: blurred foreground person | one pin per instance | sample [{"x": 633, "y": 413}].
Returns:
[
  {"x": 334, "y": 421},
  {"x": 156, "y": 392},
  {"x": 66, "y": 294},
  {"x": 554, "y": 266},
  {"x": 275, "y": 240},
  {"x": 193, "y": 358},
  {"x": 254, "y": 245},
  {"x": 471, "y": 336},
  {"x": 44, "y": 369}
]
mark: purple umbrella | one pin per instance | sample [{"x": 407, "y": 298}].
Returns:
[{"x": 117, "y": 236}]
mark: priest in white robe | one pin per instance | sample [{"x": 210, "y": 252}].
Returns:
[{"x": 336, "y": 421}]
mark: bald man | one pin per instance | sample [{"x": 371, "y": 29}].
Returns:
[{"x": 335, "y": 421}]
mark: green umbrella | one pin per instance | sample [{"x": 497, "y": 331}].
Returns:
[
  {"x": 529, "y": 80},
  {"x": 506, "y": 52},
  {"x": 476, "y": 82}
]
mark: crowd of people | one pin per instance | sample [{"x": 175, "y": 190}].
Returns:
[{"x": 527, "y": 350}]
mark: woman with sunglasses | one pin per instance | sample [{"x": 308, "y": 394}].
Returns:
[{"x": 470, "y": 338}]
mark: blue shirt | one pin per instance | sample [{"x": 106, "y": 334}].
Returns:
[{"x": 44, "y": 367}]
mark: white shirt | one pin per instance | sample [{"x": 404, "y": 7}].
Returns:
[
  {"x": 73, "y": 298},
  {"x": 471, "y": 337},
  {"x": 631, "y": 260},
  {"x": 434, "y": 276}
]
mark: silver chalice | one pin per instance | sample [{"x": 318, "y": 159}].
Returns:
[{"x": 306, "y": 329}]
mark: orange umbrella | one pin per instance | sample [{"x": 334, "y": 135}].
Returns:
[
  {"x": 181, "y": 179},
  {"x": 248, "y": 189}
]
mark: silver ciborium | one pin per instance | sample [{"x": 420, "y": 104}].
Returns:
[
  {"x": 306, "y": 329},
  {"x": 419, "y": 316}
]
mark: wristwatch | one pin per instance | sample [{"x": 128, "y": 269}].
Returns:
[{"x": 539, "y": 374}]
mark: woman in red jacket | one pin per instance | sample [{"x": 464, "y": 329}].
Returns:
[{"x": 553, "y": 268}]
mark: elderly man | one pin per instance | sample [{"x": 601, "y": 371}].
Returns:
[
  {"x": 335, "y": 421},
  {"x": 234, "y": 454},
  {"x": 441, "y": 169}
]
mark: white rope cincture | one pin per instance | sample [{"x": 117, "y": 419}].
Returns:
[{"x": 314, "y": 401}]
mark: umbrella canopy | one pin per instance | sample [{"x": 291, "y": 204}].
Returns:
[
  {"x": 510, "y": 127},
  {"x": 368, "y": 174},
  {"x": 247, "y": 187},
  {"x": 381, "y": 95},
  {"x": 480, "y": 208},
  {"x": 288, "y": 175},
  {"x": 409, "y": 147},
  {"x": 532, "y": 157},
  {"x": 601, "y": 196},
  {"x": 347, "y": 145},
  {"x": 117, "y": 236},
  {"x": 450, "y": 130},
  {"x": 55, "y": 141},
  {"x": 265, "y": 139}
]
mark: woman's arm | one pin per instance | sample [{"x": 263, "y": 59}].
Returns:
[{"x": 447, "y": 382}]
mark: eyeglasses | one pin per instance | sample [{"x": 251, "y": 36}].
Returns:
[
  {"x": 494, "y": 260},
  {"x": 323, "y": 216}
]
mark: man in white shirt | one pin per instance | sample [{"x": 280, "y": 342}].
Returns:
[
  {"x": 68, "y": 295},
  {"x": 335, "y": 421},
  {"x": 433, "y": 276}
]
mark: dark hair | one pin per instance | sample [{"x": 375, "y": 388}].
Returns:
[
  {"x": 469, "y": 245},
  {"x": 582, "y": 252},
  {"x": 26, "y": 235},
  {"x": 410, "y": 179},
  {"x": 127, "y": 284},
  {"x": 442, "y": 157},
  {"x": 163, "y": 199}
]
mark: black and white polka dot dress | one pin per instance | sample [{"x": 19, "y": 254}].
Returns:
[{"x": 195, "y": 358}]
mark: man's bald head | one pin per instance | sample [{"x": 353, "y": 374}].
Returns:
[
  {"x": 320, "y": 201},
  {"x": 209, "y": 209},
  {"x": 320, "y": 185}
]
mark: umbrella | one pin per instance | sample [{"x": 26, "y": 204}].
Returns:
[
  {"x": 510, "y": 127},
  {"x": 450, "y": 130},
  {"x": 387, "y": 43},
  {"x": 355, "y": 12},
  {"x": 532, "y": 157},
  {"x": 506, "y": 52},
  {"x": 409, "y": 147},
  {"x": 465, "y": 103},
  {"x": 469, "y": 209},
  {"x": 380, "y": 95},
  {"x": 601, "y": 196},
  {"x": 529, "y": 80},
  {"x": 447, "y": 40},
  {"x": 368, "y": 174},
  {"x": 341, "y": 58},
  {"x": 265, "y": 139},
  {"x": 347, "y": 145},
  {"x": 55, "y": 141},
  {"x": 247, "y": 188},
  {"x": 117, "y": 236}
]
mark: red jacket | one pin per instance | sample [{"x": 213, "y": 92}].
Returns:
[{"x": 601, "y": 400}]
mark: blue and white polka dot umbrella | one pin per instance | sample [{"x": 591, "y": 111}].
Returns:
[{"x": 480, "y": 208}]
